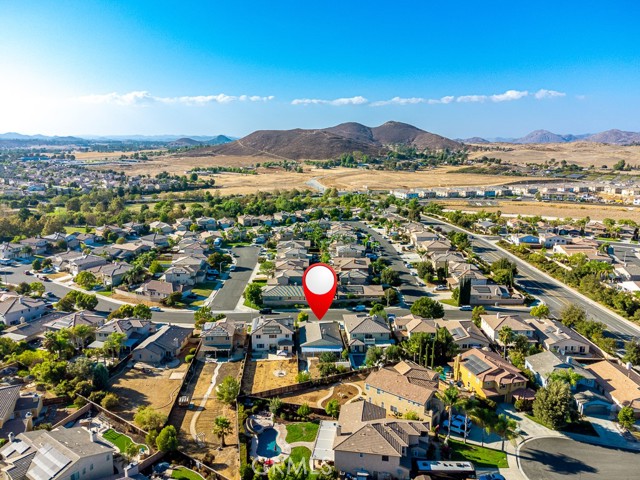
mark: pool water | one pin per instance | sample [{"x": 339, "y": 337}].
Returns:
[{"x": 267, "y": 446}]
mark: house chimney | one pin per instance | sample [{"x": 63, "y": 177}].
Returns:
[
  {"x": 498, "y": 315},
  {"x": 10, "y": 437},
  {"x": 92, "y": 435},
  {"x": 131, "y": 469}
]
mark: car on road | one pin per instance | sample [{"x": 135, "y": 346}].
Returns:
[
  {"x": 266, "y": 311},
  {"x": 408, "y": 265},
  {"x": 50, "y": 295},
  {"x": 28, "y": 272},
  {"x": 359, "y": 308},
  {"x": 466, "y": 308},
  {"x": 155, "y": 309},
  {"x": 491, "y": 476},
  {"x": 440, "y": 288},
  {"x": 232, "y": 268}
]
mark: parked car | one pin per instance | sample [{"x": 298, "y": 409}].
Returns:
[
  {"x": 457, "y": 427},
  {"x": 266, "y": 311},
  {"x": 440, "y": 288},
  {"x": 49, "y": 294},
  {"x": 28, "y": 272},
  {"x": 359, "y": 308},
  {"x": 155, "y": 309},
  {"x": 466, "y": 308},
  {"x": 491, "y": 476},
  {"x": 232, "y": 268}
]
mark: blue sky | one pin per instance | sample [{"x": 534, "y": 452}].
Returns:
[{"x": 460, "y": 69}]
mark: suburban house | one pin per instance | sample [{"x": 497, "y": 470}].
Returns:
[
  {"x": 69, "y": 239},
  {"x": 489, "y": 375},
  {"x": 15, "y": 309},
  {"x": 155, "y": 240},
  {"x": 180, "y": 275},
  {"x": 411, "y": 324},
  {"x": 218, "y": 337},
  {"x": 32, "y": 330},
  {"x": 85, "y": 262},
  {"x": 618, "y": 384},
  {"x": 369, "y": 445},
  {"x": 465, "y": 333},
  {"x": 272, "y": 335},
  {"x": 135, "y": 329},
  {"x": 17, "y": 411},
  {"x": 75, "y": 319},
  {"x": 342, "y": 264},
  {"x": 405, "y": 387},
  {"x": 110, "y": 274},
  {"x": 354, "y": 277},
  {"x": 359, "y": 293},
  {"x": 161, "y": 227},
  {"x": 545, "y": 363},
  {"x": 206, "y": 223},
  {"x": 550, "y": 240},
  {"x": 524, "y": 239},
  {"x": 64, "y": 454},
  {"x": 459, "y": 270},
  {"x": 492, "y": 324},
  {"x": 347, "y": 250},
  {"x": 164, "y": 345},
  {"x": 316, "y": 338},
  {"x": 556, "y": 337},
  {"x": 283, "y": 295},
  {"x": 364, "y": 331},
  {"x": 37, "y": 245},
  {"x": 492, "y": 295},
  {"x": 286, "y": 277},
  {"x": 157, "y": 290}
]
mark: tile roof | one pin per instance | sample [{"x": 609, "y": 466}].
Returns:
[
  {"x": 622, "y": 385},
  {"x": 8, "y": 398},
  {"x": 318, "y": 334},
  {"x": 406, "y": 380},
  {"x": 489, "y": 366},
  {"x": 362, "y": 323}
]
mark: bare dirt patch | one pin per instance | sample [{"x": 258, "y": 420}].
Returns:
[
  {"x": 580, "y": 153},
  {"x": 226, "y": 460},
  {"x": 342, "y": 392},
  {"x": 155, "y": 389},
  {"x": 261, "y": 375},
  {"x": 555, "y": 210}
]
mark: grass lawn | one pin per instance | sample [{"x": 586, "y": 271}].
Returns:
[
  {"x": 204, "y": 289},
  {"x": 302, "y": 432},
  {"x": 581, "y": 427},
  {"x": 105, "y": 293},
  {"x": 482, "y": 457},
  {"x": 249, "y": 304},
  {"x": 77, "y": 229},
  {"x": 300, "y": 453},
  {"x": 120, "y": 440},
  {"x": 185, "y": 473},
  {"x": 449, "y": 301}
]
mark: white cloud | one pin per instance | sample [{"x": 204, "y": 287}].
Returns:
[
  {"x": 509, "y": 95},
  {"x": 543, "y": 93},
  {"x": 338, "y": 102},
  {"x": 145, "y": 98},
  {"x": 471, "y": 98}
]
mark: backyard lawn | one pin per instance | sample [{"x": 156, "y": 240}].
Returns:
[
  {"x": 186, "y": 474},
  {"x": 483, "y": 457},
  {"x": 120, "y": 440},
  {"x": 300, "y": 453},
  {"x": 302, "y": 432}
]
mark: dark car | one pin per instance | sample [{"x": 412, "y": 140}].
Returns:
[{"x": 266, "y": 311}]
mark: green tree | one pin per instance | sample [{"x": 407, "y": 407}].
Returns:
[
  {"x": 123, "y": 311},
  {"x": 464, "y": 295},
  {"x": 450, "y": 399},
  {"x": 253, "y": 293},
  {"x": 425, "y": 270},
  {"x": 167, "y": 440},
  {"x": 632, "y": 352},
  {"x": 476, "y": 315},
  {"x": 37, "y": 288},
  {"x": 540, "y": 311},
  {"x": 173, "y": 299},
  {"x": 86, "y": 279},
  {"x": 373, "y": 356},
  {"x": 228, "y": 390},
  {"x": 467, "y": 405},
  {"x": 333, "y": 408},
  {"x": 566, "y": 375},
  {"x": 573, "y": 315},
  {"x": 23, "y": 288},
  {"x": 304, "y": 411},
  {"x": 36, "y": 264},
  {"x": 303, "y": 376},
  {"x": 221, "y": 428},
  {"x": 626, "y": 417},
  {"x": 202, "y": 315},
  {"x": 484, "y": 418},
  {"x": 507, "y": 337},
  {"x": 378, "y": 310},
  {"x": 275, "y": 405},
  {"x": 110, "y": 401},
  {"x": 393, "y": 353},
  {"x": 100, "y": 377},
  {"x": 553, "y": 405},
  {"x": 303, "y": 317},
  {"x": 506, "y": 428},
  {"x": 427, "y": 308},
  {"x": 411, "y": 415},
  {"x": 148, "y": 419},
  {"x": 156, "y": 267},
  {"x": 142, "y": 311},
  {"x": 388, "y": 276}
]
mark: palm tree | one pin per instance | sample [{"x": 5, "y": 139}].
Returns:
[
  {"x": 80, "y": 334},
  {"x": 506, "y": 428},
  {"x": 506, "y": 336},
  {"x": 484, "y": 418},
  {"x": 467, "y": 405},
  {"x": 568, "y": 375},
  {"x": 221, "y": 427},
  {"x": 449, "y": 398}
]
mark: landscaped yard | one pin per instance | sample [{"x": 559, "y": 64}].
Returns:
[
  {"x": 300, "y": 453},
  {"x": 449, "y": 301},
  {"x": 186, "y": 474},
  {"x": 582, "y": 427},
  {"x": 204, "y": 289},
  {"x": 302, "y": 432},
  {"x": 120, "y": 440},
  {"x": 482, "y": 457}
]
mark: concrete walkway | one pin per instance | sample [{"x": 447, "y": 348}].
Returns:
[
  {"x": 358, "y": 396},
  {"x": 203, "y": 403},
  {"x": 328, "y": 395}
]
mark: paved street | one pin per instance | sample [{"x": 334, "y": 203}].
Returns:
[
  {"x": 553, "y": 293},
  {"x": 556, "y": 458},
  {"x": 231, "y": 292}
]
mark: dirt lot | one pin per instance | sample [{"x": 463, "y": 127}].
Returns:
[
  {"x": 261, "y": 375},
  {"x": 581, "y": 153},
  {"x": 226, "y": 460},
  {"x": 555, "y": 210},
  {"x": 154, "y": 389},
  {"x": 342, "y": 392}
]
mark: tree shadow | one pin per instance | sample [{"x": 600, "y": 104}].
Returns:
[{"x": 556, "y": 462}]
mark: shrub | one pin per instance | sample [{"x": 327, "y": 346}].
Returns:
[
  {"x": 110, "y": 401},
  {"x": 188, "y": 358},
  {"x": 97, "y": 396},
  {"x": 192, "y": 351}
]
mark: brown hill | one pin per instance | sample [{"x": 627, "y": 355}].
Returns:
[{"x": 331, "y": 142}]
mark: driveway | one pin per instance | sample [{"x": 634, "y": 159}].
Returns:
[
  {"x": 557, "y": 458},
  {"x": 231, "y": 292}
]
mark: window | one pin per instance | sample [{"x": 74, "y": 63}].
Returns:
[
  {"x": 385, "y": 458},
  {"x": 394, "y": 409},
  {"x": 360, "y": 455},
  {"x": 273, "y": 336},
  {"x": 91, "y": 467},
  {"x": 84, "y": 471},
  {"x": 258, "y": 336},
  {"x": 582, "y": 349},
  {"x": 260, "y": 345},
  {"x": 75, "y": 476}
]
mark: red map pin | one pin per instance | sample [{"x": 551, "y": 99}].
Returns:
[{"x": 319, "y": 283}]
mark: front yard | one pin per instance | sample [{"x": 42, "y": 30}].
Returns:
[{"x": 481, "y": 456}]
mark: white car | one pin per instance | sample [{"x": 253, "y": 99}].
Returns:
[
  {"x": 456, "y": 427},
  {"x": 155, "y": 309},
  {"x": 440, "y": 288}
]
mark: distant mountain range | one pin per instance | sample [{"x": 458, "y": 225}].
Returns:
[
  {"x": 616, "y": 137},
  {"x": 211, "y": 140},
  {"x": 331, "y": 142}
]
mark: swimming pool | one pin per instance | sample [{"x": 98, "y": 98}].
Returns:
[{"x": 267, "y": 446}]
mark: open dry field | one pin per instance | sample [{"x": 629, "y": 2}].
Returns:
[
  {"x": 226, "y": 459},
  {"x": 88, "y": 156},
  {"x": 551, "y": 210},
  {"x": 580, "y": 153},
  {"x": 136, "y": 388},
  {"x": 261, "y": 375}
]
